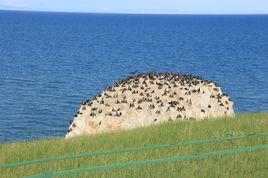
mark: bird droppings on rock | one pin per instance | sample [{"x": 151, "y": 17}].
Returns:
[{"x": 141, "y": 100}]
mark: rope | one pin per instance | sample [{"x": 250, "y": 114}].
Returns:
[
  {"x": 137, "y": 149},
  {"x": 155, "y": 161}
]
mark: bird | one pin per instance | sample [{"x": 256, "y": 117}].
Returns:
[
  {"x": 178, "y": 116},
  {"x": 132, "y": 73},
  {"x": 139, "y": 108},
  {"x": 92, "y": 114},
  {"x": 151, "y": 106},
  {"x": 131, "y": 105}
]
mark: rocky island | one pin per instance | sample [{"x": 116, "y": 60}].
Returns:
[{"x": 147, "y": 99}]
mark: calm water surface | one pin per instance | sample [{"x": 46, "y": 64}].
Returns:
[{"x": 50, "y": 62}]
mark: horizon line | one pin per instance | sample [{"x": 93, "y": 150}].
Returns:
[{"x": 130, "y": 13}]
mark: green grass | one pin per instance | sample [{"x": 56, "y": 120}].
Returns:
[{"x": 254, "y": 164}]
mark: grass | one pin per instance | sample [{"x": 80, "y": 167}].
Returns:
[{"x": 254, "y": 164}]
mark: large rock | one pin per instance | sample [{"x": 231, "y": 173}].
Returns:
[{"x": 148, "y": 99}]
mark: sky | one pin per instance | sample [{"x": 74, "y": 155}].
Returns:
[{"x": 141, "y": 6}]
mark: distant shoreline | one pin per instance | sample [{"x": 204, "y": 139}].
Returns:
[{"x": 136, "y": 13}]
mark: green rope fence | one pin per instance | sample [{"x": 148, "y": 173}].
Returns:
[
  {"x": 137, "y": 149},
  {"x": 155, "y": 161}
]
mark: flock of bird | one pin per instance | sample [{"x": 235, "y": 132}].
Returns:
[{"x": 156, "y": 93}]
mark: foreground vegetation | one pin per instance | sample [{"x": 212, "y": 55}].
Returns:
[{"x": 253, "y": 164}]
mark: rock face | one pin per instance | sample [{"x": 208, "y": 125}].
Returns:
[{"x": 147, "y": 99}]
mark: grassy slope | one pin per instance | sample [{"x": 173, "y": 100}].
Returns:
[{"x": 241, "y": 165}]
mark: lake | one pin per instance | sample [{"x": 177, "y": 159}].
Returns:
[{"x": 50, "y": 62}]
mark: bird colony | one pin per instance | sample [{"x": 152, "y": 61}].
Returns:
[{"x": 148, "y": 99}]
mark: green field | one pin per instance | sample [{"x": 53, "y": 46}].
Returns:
[{"x": 248, "y": 164}]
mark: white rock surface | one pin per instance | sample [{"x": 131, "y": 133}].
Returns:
[{"x": 147, "y": 99}]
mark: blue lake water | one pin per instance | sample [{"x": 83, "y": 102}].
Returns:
[{"x": 50, "y": 62}]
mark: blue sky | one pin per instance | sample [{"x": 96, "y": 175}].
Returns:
[{"x": 142, "y": 6}]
